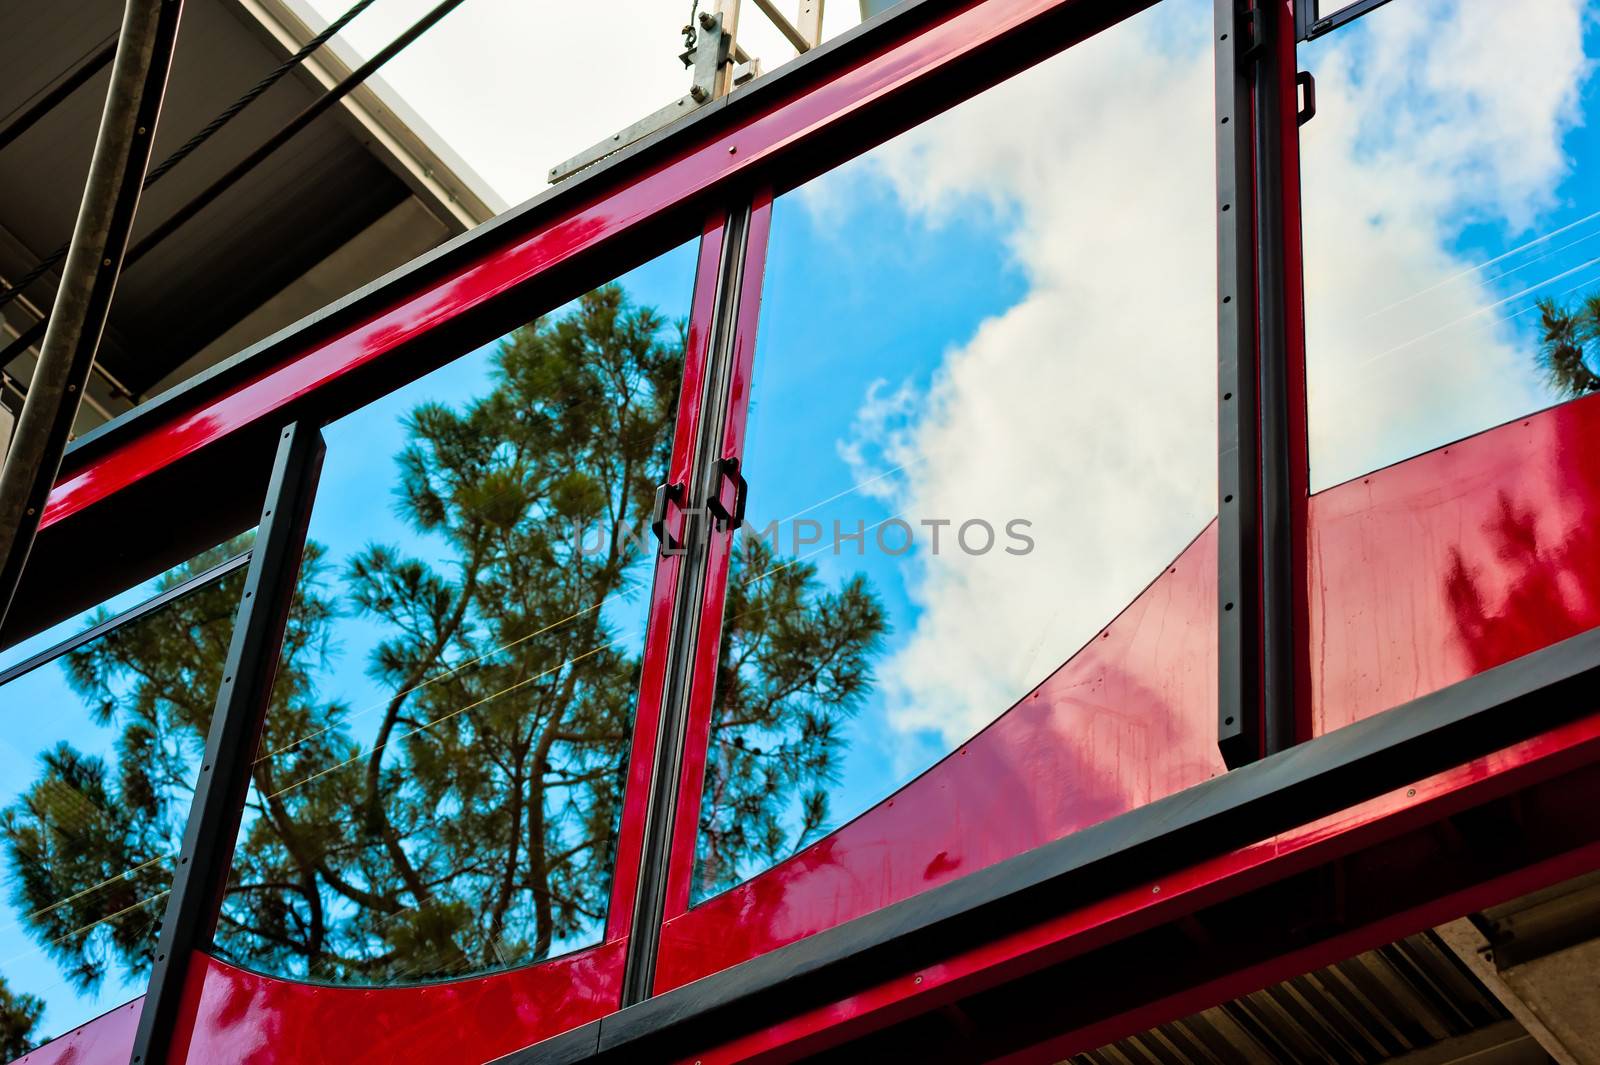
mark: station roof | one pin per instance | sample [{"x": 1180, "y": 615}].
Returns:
[{"x": 365, "y": 188}]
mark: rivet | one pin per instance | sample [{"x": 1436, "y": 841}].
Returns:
[
  {"x": 1155, "y": 889},
  {"x": 105, "y": 262},
  {"x": 919, "y": 980},
  {"x": 1411, "y": 793},
  {"x": 732, "y": 148}
]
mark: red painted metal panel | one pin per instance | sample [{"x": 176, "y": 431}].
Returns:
[
  {"x": 652, "y": 674},
  {"x": 1425, "y": 574},
  {"x": 1129, "y": 719},
  {"x": 106, "y": 1040},
  {"x": 1126, "y": 913},
  {"x": 241, "y": 1017},
  {"x": 894, "y": 69},
  {"x": 1434, "y": 570}
]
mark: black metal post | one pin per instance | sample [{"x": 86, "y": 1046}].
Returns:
[
  {"x": 1256, "y": 561},
  {"x": 202, "y": 870},
  {"x": 99, "y": 242},
  {"x": 1238, "y": 496},
  {"x": 1267, "y": 83}
]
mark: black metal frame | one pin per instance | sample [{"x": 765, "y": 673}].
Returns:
[
  {"x": 1309, "y": 23},
  {"x": 1238, "y": 448},
  {"x": 1411, "y": 742},
  {"x": 242, "y": 699},
  {"x": 1286, "y": 787},
  {"x": 133, "y": 613},
  {"x": 1255, "y": 482}
]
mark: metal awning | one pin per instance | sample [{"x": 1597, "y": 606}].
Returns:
[{"x": 364, "y": 189}]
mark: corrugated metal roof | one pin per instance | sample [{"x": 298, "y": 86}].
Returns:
[{"x": 1410, "y": 1001}]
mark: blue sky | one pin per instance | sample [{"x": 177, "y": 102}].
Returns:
[
  {"x": 37, "y": 711},
  {"x": 1019, "y": 295}
]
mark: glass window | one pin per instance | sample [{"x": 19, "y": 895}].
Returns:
[
  {"x": 983, "y": 420},
  {"x": 441, "y": 772},
  {"x": 1452, "y": 224},
  {"x": 99, "y": 752},
  {"x": 226, "y": 556}
]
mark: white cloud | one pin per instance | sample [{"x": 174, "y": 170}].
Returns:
[
  {"x": 1089, "y": 406},
  {"x": 1437, "y": 114}
]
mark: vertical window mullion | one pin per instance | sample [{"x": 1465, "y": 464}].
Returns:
[
  {"x": 713, "y": 328},
  {"x": 242, "y": 699}
]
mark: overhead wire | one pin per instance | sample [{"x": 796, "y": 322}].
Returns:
[{"x": 205, "y": 133}]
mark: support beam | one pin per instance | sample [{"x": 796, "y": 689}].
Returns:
[{"x": 1477, "y": 953}]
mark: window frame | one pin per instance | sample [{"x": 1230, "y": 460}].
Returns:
[
  {"x": 1310, "y": 23},
  {"x": 841, "y": 99},
  {"x": 777, "y": 133}
]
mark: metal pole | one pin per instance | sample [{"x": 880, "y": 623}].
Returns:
[
  {"x": 99, "y": 242},
  {"x": 1239, "y": 726}
]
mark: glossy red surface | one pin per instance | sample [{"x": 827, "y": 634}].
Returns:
[
  {"x": 1295, "y": 323},
  {"x": 106, "y": 1040},
  {"x": 1439, "y": 568},
  {"x": 1126, "y": 913},
  {"x": 894, "y": 69},
  {"x": 1423, "y": 574},
  {"x": 663, "y": 592},
  {"x": 686, "y": 819},
  {"x": 1130, "y": 718},
  {"x": 241, "y": 1017}
]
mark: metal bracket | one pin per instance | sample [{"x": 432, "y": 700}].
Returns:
[
  {"x": 1308, "y": 93},
  {"x": 709, "y": 55},
  {"x": 711, "y": 51},
  {"x": 669, "y": 496},
  {"x": 727, "y": 502}
]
